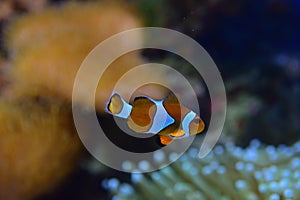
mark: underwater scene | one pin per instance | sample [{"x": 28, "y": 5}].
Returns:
[{"x": 149, "y": 99}]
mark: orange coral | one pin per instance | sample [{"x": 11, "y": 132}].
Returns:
[
  {"x": 38, "y": 143},
  {"x": 38, "y": 147},
  {"x": 47, "y": 48}
]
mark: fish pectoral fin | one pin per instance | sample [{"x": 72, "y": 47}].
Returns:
[
  {"x": 165, "y": 140},
  {"x": 178, "y": 133},
  {"x": 136, "y": 127}
]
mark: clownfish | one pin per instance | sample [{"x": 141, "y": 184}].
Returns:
[{"x": 165, "y": 117}]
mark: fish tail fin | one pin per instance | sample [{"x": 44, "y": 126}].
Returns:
[
  {"x": 201, "y": 126},
  {"x": 117, "y": 106}
]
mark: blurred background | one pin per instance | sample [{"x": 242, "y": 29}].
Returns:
[{"x": 255, "y": 45}]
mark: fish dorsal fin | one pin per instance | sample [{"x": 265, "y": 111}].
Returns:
[
  {"x": 171, "y": 98},
  {"x": 143, "y": 111},
  {"x": 142, "y": 101}
]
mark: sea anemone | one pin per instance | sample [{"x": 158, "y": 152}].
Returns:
[{"x": 228, "y": 172}]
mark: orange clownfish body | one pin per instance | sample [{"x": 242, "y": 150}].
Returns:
[{"x": 165, "y": 117}]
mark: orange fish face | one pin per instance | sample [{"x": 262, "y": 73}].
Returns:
[{"x": 196, "y": 125}]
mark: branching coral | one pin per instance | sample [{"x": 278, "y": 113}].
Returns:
[
  {"x": 229, "y": 172},
  {"x": 38, "y": 147}
]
